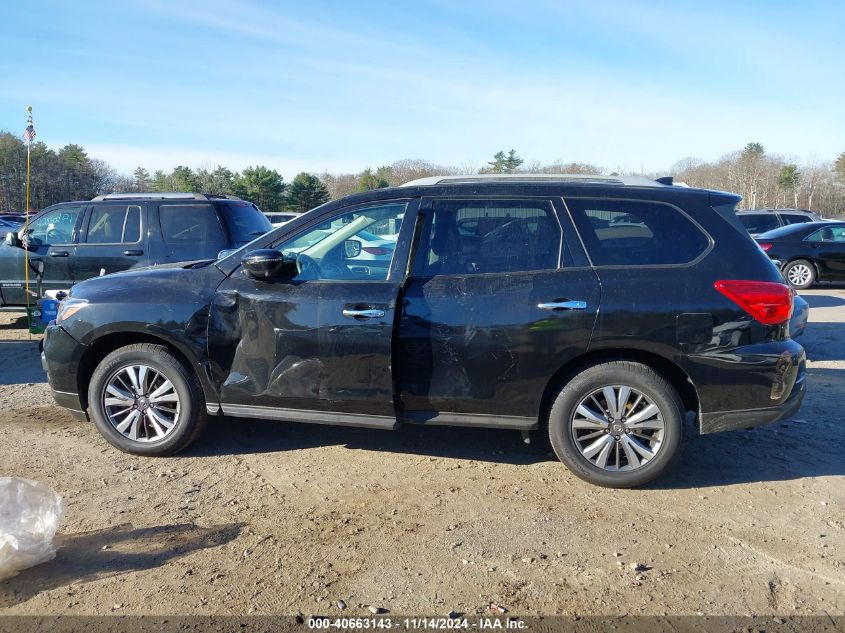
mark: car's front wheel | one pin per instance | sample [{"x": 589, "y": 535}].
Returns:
[
  {"x": 800, "y": 273},
  {"x": 145, "y": 401},
  {"x": 617, "y": 424}
]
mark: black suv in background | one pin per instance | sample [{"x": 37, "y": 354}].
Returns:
[
  {"x": 75, "y": 241},
  {"x": 601, "y": 311},
  {"x": 757, "y": 221}
]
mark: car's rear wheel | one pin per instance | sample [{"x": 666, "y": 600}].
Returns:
[
  {"x": 800, "y": 273},
  {"x": 617, "y": 424},
  {"x": 145, "y": 401}
]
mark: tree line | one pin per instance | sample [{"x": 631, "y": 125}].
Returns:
[{"x": 69, "y": 173}]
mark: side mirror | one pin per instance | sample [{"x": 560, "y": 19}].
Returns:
[
  {"x": 12, "y": 239},
  {"x": 351, "y": 248},
  {"x": 268, "y": 263}
]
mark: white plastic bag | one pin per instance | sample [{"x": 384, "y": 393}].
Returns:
[{"x": 29, "y": 515}]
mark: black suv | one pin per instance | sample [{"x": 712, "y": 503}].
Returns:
[
  {"x": 757, "y": 221},
  {"x": 74, "y": 241},
  {"x": 601, "y": 311}
]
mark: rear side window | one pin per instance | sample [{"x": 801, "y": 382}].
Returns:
[
  {"x": 758, "y": 222},
  {"x": 244, "y": 221},
  {"x": 828, "y": 234},
  {"x": 636, "y": 232},
  {"x": 191, "y": 224},
  {"x": 114, "y": 224},
  {"x": 491, "y": 236}
]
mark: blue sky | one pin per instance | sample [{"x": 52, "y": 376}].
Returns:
[{"x": 344, "y": 85}]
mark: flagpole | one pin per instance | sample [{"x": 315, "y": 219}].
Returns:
[{"x": 29, "y": 137}]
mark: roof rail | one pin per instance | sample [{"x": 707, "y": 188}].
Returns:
[
  {"x": 638, "y": 181},
  {"x": 166, "y": 195}
]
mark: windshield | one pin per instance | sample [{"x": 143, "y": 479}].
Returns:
[{"x": 245, "y": 221}]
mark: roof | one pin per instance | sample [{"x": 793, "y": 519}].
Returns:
[
  {"x": 777, "y": 210},
  {"x": 164, "y": 195},
  {"x": 631, "y": 181}
]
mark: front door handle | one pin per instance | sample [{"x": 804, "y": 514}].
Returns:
[
  {"x": 563, "y": 305},
  {"x": 369, "y": 313},
  {"x": 133, "y": 253},
  {"x": 59, "y": 254}
]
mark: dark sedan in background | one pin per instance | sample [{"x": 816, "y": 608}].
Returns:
[{"x": 808, "y": 252}]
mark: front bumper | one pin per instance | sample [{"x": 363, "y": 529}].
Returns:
[{"x": 60, "y": 358}]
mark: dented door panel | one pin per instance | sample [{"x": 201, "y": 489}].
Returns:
[{"x": 288, "y": 345}]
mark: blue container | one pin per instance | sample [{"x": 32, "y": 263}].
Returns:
[{"x": 49, "y": 309}]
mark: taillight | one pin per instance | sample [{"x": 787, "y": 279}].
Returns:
[
  {"x": 768, "y": 302},
  {"x": 376, "y": 250},
  {"x": 765, "y": 246}
]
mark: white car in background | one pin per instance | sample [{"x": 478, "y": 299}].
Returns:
[{"x": 278, "y": 219}]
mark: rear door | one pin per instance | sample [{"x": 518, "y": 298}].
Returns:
[
  {"x": 828, "y": 248},
  {"x": 496, "y": 303},
  {"x": 316, "y": 347},
  {"x": 113, "y": 238}
]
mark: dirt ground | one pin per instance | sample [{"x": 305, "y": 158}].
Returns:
[{"x": 274, "y": 518}]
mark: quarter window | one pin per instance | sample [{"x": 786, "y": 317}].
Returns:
[
  {"x": 114, "y": 224},
  {"x": 636, "y": 232},
  {"x": 191, "y": 224},
  {"x": 490, "y": 236}
]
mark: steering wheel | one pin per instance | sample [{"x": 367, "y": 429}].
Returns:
[
  {"x": 54, "y": 236},
  {"x": 307, "y": 267}
]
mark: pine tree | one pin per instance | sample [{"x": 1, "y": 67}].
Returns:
[{"x": 305, "y": 192}]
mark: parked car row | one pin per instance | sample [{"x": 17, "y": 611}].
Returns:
[{"x": 602, "y": 311}]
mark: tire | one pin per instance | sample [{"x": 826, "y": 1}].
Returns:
[
  {"x": 164, "y": 424},
  {"x": 800, "y": 273},
  {"x": 619, "y": 471}
]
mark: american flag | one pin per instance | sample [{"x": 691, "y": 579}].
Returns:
[{"x": 29, "y": 133}]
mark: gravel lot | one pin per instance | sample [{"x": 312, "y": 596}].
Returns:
[{"x": 275, "y": 518}]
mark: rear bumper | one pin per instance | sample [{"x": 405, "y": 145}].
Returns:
[
  {"x": 730, "y": 420},
  {"x": 60, "y": 358},
  {"x": 750, "y": 386}
]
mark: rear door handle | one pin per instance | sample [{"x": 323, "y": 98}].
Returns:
[
  {"x": 59, "y": 254},
  {"x": 563, "y": 305},
  {"x": 133, "y": 253},
  {"x": 370, "y": 313}
]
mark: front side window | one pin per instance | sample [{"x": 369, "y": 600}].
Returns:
[
  {"x": 54, "y": 227},
  {"x": 114, "y": 224},
  {"x": 346, "y": 246},
  {"x": 490, "y": 236},
  {"x": 636, "y": 232},
  {"x": 828, "y": 234}
]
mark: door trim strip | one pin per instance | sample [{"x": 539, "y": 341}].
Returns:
[
  {"x": 310, "y": 416},
  {"x": 491, "y": 421}
]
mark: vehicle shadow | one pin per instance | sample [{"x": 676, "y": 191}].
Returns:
[
  {"x": 791, "y": 449},
  {"x": 110, "y": 552},
  {"x": 20, "y": 362},
  {"x": 823, "y": 301},
  {"x": 17, "y": 324}
]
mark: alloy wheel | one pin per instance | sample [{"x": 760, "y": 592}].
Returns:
[
  {"x": 799, "y": 274},
  {"x": 618, "y": 428},
  {"x": 141, "y": 403}
]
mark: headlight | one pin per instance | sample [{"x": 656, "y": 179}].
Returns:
[{"x": 69, "y": 307}]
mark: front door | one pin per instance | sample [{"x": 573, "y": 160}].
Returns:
[
  {"x": 51, "y": 241},
  {"x": 315, "y": 348},
  {"x": 489, "y": 314}
]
